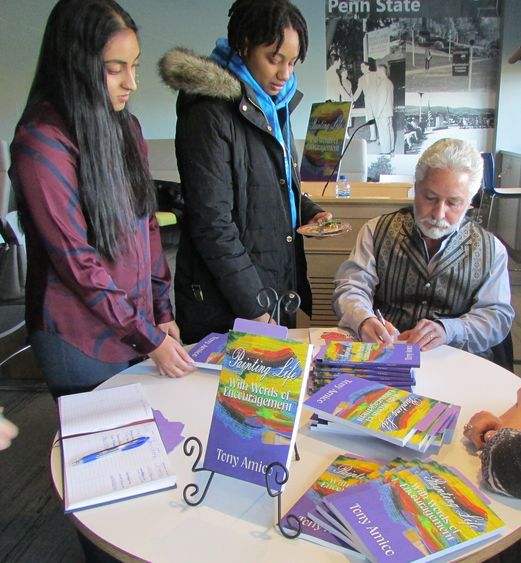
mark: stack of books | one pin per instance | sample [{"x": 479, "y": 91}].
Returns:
[
  {"x": 398, "y": 511},
  {"x": 351, "y": 404},
  {"x": 389, "y": 364}
]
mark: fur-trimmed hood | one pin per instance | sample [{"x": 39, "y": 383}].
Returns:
[{"x": 182, "y": 69}]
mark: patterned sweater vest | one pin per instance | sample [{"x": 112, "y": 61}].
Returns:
[{"x": 407, "y": 292}]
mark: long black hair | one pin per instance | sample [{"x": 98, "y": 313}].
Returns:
[
  {"x": 262, "y": 22},
  {"x": 114, "y": 183}
]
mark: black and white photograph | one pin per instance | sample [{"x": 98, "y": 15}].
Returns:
[{"x": 418, "y": 76}]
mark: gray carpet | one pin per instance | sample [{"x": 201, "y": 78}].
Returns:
[{"x": 33, "y": 527}]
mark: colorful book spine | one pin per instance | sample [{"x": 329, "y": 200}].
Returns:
[{"x": 258, "y": 404}]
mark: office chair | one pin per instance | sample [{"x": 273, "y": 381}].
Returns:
[
  {"x": 13, "y": 264},
  {"x": 489, "y": 187},
  {"x": 11, "y": 320},
  {"x": 503, "y": 353}
]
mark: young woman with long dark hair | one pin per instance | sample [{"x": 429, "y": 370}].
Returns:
[
  {"x": 97, "y": 292},
  {"x": 239, "y": 169}
]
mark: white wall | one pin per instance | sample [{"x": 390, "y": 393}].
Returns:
[
  {"x": 163, "y": 24},
  {"x": 508, "y": 126},
  {"x": 196, "y": 24}
]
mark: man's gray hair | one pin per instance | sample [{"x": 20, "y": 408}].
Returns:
[{"x": 456, "y": 155}]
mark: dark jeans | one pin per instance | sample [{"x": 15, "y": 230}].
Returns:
[{"x": 67, "y": 369}]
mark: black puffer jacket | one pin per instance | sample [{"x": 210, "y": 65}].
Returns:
[{"x": 236, "y": 235}]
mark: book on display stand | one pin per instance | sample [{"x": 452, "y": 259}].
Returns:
[
  {"x": 258, "y": 404},
  {"x": 325, "y": 140},
  {"x": 259, "y": 399}
]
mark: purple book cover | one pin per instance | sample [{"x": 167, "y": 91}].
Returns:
[
  {"x": 372, "y": 354},
  {"x": 412, "y": 519},
  {"x": 262, "y": 329},
  {"x": 209, "y": 352},
  {"x": 391, "y": 371},
  {"x": 381, "y": 411},
  {"x": 406, "y": 386},
  {"x": 448, "y": 433},
  {"x": 345, "y": 471},
  {"x": 258, "y": 405}
]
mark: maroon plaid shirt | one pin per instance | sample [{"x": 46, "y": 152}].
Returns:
[{"x": 109, "y": 310}]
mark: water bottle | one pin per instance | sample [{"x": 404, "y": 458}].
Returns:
[{"x": 343, "y": 189}]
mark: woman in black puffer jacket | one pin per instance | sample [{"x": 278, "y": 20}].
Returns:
[{"x": 239, "y": 171}]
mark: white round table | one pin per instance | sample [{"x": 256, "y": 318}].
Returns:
[{"x": 235, "y": 521}]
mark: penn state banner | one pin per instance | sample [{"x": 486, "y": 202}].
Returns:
[{"x": 423, "y": 69}]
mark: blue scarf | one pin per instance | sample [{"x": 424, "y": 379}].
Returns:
[{"x": 228, "y": 58}]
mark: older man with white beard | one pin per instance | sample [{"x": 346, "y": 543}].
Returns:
[{"x": 436, "y": 276}]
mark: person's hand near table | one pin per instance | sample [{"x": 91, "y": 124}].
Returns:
[
  {"x": 374, "y": 329},
  {"x": 8, "y": 431},
  {"x": 483, "y": 425},
  {"x": 170, "y": 357},
  {"x": 427, "y": 334},
  {"x": 499, "y": 439}
]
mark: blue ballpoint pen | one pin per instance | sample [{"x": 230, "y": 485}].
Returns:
[{"x": 119, "y": 448}]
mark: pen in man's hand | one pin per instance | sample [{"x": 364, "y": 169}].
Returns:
[
  {"x": 119, "y": 448},
  {"x": 379, "y": 316}
]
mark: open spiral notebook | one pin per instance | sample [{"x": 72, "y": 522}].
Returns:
[{"x": 101, "y": 419}]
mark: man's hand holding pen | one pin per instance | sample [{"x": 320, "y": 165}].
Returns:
[
  {"x": 377, "y": 329},
  {"x": 427, "y": 334}
]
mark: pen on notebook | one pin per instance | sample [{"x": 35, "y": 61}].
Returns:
[{"x": 119, "y": 448}]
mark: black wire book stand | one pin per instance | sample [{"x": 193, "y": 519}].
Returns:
[{"x": 276, "y": 474}]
